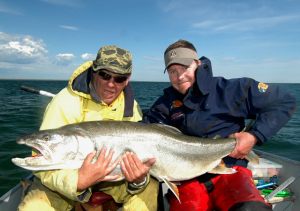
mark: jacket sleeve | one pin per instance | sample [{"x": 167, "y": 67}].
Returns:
[
  {"x": 133, "y": 188},
  {"x": 61, "y": 111},
  {"x": 63, "y": 181},
  {"x": 159, "y": 112},
  {"x": 271, "y": 105}
]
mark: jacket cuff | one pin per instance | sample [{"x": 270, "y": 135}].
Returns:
[
  {"x": 84, "y": 196},
  {"x": 260, "y": 137},
  {"x": 134, "y": 188}
]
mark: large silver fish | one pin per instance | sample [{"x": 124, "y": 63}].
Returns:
[{"x": 178, "y": 157}]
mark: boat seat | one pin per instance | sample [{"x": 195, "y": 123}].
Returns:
[
  {"x": 98, "y": 198},
  {"x": 98, "y": 201}
]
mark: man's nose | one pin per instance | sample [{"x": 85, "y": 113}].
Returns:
[
  {"x": 111, "y": 82},
  {"x": 180, "y": 73}
]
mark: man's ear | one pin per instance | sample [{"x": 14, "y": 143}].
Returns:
[
  {"x": 93, "y": 76},
  {"x": 128, "y": 79}
]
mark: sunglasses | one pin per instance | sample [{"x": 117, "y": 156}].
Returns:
[{"x": 118, "y": 79}]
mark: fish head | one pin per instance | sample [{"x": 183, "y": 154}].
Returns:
[{"x": 55, "y": 150}]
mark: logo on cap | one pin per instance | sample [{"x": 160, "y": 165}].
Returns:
[{"x": 173, "y": 54}]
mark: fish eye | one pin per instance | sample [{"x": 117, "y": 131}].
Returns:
[{"x": 46, "y": 137}]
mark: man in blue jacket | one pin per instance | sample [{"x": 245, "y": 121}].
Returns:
[{"x": 201, "y": 105}]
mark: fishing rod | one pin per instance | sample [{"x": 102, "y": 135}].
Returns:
[{"x": 36, "y": 91}]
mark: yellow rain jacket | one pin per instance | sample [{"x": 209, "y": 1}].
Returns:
[{"x": 74, "y": 104}]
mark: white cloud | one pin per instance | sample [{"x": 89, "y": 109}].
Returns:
[
  {"x": 270, "y": 70},
  {"x": 206, "y": 24},
  {"x": 68, "y": 3},
  {"x": 21, "y": 49},
  {"x": 245, "y": 24},
  {"x": 257, "y": 23},
  {"x": 9, "y": 10},
  {"x": 168, "y": 6},
  {"x": 73, "y": 28},
  {"x": 88, "y": 56},
  {"x": 220, "y": 16},
  {"x": 229, "y": 59},
  {"x": 64, "y": 58}
]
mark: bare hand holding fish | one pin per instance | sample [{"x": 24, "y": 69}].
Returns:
[
  {"x": 134, "y": 169},
  {"x": 91, "y": 173},
  {"x": 244, "y": 144}
]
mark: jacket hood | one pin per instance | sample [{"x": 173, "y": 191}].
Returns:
[
  {"x": 79, "y": 85},
  {"x": 80, "y": 80}
]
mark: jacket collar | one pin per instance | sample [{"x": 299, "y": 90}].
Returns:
[
  {"x": 204, "y": 76},
  {"x": 196, "y": 93}
]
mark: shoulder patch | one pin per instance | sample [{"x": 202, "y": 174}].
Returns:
[
  {"x": 262, "y": 87},
  {"x": 176, "y": 104}
]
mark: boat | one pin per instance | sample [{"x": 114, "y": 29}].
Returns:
[
  {"x": 12, "y": 198},
  {"x": 286, "y": 169}
]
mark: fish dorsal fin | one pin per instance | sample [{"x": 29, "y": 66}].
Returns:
[
  {"x": 222, "y": 169},
  {"x": 169, "y": 128},
  {"x": 172, "y": 187}
]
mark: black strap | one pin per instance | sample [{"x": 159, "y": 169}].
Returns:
[
  {"x": 129, "y": 101},
  {"x": 205, "y": 179},
  {"x": 209, "y": 186}
]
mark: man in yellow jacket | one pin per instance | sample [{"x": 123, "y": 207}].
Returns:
[{"x": 97, "y": 90}]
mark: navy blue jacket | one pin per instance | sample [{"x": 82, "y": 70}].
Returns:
[{"x": 218, "y": 106}]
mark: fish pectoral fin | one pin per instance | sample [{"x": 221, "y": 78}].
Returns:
[
  {"x": 217, "y": 136},
  {"x": 222, "y": 169},
  {"x": 172, "y": 187},
  {"x": 253, "y": 158}
]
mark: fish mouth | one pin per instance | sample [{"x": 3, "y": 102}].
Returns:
[{"x": 41, "y": 150}]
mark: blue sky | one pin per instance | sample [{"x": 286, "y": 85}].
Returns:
[{"x": 48, "y": 39}]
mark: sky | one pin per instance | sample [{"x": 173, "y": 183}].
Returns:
[{"x": 48, "y": 39}]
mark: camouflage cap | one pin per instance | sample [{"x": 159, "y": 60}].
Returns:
[{"x": 113, "y": 59}]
